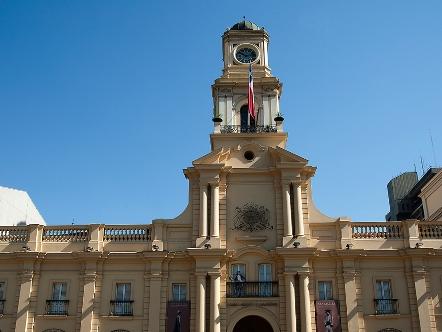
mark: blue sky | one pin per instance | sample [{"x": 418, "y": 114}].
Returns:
[{"x": 95, "y": 95}]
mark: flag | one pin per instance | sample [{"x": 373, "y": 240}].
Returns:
[{"x": 251, "y": 96}]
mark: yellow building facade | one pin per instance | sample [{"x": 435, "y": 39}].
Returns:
[{"x": 249, "y": 253}]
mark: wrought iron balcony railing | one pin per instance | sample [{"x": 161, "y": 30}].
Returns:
[
  {"x": 247, "y": 129},
  {"x": 252, "y": 289},
  {"x": 2, "y": 307},
  {"x": 57, "y": 307},
  {"x": 385, "y": 306},
  {"x": 121, "y": 308}
]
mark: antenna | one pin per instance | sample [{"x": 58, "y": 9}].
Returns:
[
  {"x": 432, "y": 148},
  {"x": 422, "y": 164}
]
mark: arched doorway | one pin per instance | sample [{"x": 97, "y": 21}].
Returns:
[{"x": 253, "y": 324}]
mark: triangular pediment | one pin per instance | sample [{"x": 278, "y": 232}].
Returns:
[
  {"x": 282, "y": 155},
  {"x": 218, "y": 156},
  {"x": 264, "y": 157}
]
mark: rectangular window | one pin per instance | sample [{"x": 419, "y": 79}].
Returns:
[
  {"x": 2, "y": 290},
  {"x": 2, "y": 296},
  {"x": 265, "y": 279},
  {"x": 265, "y": 272},
  {"x": 59, "y": 290},
  {"x": 122, "y": 292},
  {"x": 325, "y": 290},
  {"x": 58, "y": 303},
  {"x": 383, "y": 289},
  {"x": 384, "y": 302},
  {"x": 238, "y": 272},
  {"x": 179, "y": 292},
  {"x": 122, "y": 305}
]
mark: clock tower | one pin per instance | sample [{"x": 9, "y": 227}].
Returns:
[{"x": 245, "y": 44}]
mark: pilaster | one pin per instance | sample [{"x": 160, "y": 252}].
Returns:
[
  {"x": 290, "y": 302},
  {"x": 422, "y": 296},
  {"x": 306, "y": 322},
  {"x": 351, "y": 301},
  {"x": 25, "y": 280},
  {"x": 87, "y": 308}
]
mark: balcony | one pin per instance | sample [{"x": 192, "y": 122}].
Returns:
[
  {"x": 238, "y": 129},
  {"x": 2, "y": 307},
  {"x": 121, "y": 308},
  {"x": 57, "y": 307},
  {"x": 385, "y": 306},
  {"x": 252, "y": 289}
]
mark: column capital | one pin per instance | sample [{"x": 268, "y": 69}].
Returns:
[
  {"x": 349, "y": 275},
  {"x": 304, "y": 274},
  {"x": 214, "y": 273},
  {"x": 200, "y": 274},
  {"x": 419, "y": 273},
  {"x": 285, "y": 182},
  {"x": 26, "y": 275},
  {"x": 90, "y": 276},
  {"x": 214, "y": 182}
]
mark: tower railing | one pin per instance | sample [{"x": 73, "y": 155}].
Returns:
[{"x": 239, "y": 129}]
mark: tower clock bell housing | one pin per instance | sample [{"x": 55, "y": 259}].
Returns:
[{"x": 245, "y": 44}]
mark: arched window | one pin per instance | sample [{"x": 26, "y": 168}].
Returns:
[
  {"x": 390, "y": 330},
  {"x": 53, "y": 330},
  {"x": 246, "y": 120}
]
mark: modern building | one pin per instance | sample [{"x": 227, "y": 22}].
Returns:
[
  {"x": 17, "y": 208},
  {"x": 249, "y": 253},
  {"x": 405, "y": 196}
]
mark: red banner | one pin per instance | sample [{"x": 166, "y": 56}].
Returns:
[{"x": 327, "y": 316}]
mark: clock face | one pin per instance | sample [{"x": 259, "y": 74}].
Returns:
[{"x": 246, "y": 55}]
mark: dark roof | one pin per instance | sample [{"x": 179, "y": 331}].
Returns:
[
  {"x": 423, "y": 181},
  {"x": 245, "y": 25}
]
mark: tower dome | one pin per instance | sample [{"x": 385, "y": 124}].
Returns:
[{"x": 245, "y": 25}]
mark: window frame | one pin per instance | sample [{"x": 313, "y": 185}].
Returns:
[
  {"x": 51, "y": 288},
  {"x": 232, "y": 275},
  {"x": 258, "y": 271},
  {"x": 5, "y": 289},
  {"x": 115, "y": 290},
  {"x": 179, "y": 284},
  {"x": 318, "y": 288}
]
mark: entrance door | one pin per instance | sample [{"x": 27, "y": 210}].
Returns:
[{"x": 253, "y": 324}]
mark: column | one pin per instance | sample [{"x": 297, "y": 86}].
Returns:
[
  {"x": 422, "y": 301},
  {"x": 351, "y": 301},
  {"x": 306, "y": 323},
  {"x": 21, "y": 323},
  {"x": 203, "y": 211},
  {"x": 299, "y": 217},
  {"x": 155, "y": 303},
  {"x": 290, "y": 302},
  {"x": 286, "y": 210},
  {"x": 215, "y": 286},
  {"x": 200, "y": 318},
  {"x": 87, "y": 308},
  {"x": 214, "y": 226}
]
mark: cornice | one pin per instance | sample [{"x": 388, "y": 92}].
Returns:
[
  {"x": 296, "y": 252},
  {"x": 206, "y": 253}
]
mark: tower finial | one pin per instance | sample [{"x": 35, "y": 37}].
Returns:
[{"x": 244, "y": 18}]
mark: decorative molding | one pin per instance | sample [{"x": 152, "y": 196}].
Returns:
[{"x": 251, "y": 217}]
